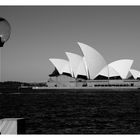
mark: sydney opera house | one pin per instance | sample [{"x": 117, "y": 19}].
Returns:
[{"x": 92, "y": 70}]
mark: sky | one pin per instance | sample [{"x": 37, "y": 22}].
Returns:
[{"x": 42, "y": 32}]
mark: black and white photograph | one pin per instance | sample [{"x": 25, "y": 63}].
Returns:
[{"x": 69, "y": 69}]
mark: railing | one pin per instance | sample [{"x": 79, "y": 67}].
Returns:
[{"x": 12, "y": 126}]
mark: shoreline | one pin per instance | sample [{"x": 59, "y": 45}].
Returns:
[
  {"x": 78, "y": 89},
  {"x": 69, "y": 89}
]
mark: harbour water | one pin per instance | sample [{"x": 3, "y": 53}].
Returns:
[{"x": 75, "y": 112}]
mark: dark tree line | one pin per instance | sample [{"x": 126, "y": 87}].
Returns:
[{"x": 14, "y": 86}]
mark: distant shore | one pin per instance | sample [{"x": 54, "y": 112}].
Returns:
[{"x": 17, "y": 87}]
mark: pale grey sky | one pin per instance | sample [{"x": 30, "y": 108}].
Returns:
[{"x": 43, "y": 32}]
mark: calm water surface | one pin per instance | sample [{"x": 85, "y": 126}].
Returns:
[{"x": 75, "y": 113}]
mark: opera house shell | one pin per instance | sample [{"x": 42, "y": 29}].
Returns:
[{"x": 92, "y": 66}]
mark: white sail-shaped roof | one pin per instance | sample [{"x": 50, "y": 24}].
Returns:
[
  {"x": 122, "y": 67},
  {"x": 81, "y": 69},
  {"x": 67, "y": 69},
  {"x": 61, "y": 65},
  {"x": 74, "y": 60},
  {"x": 138, "y": 76},
  {"x": 108, "y": 71},
  {"x": 94, "y": 60},
  {"x": 135, "y": 73}
]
